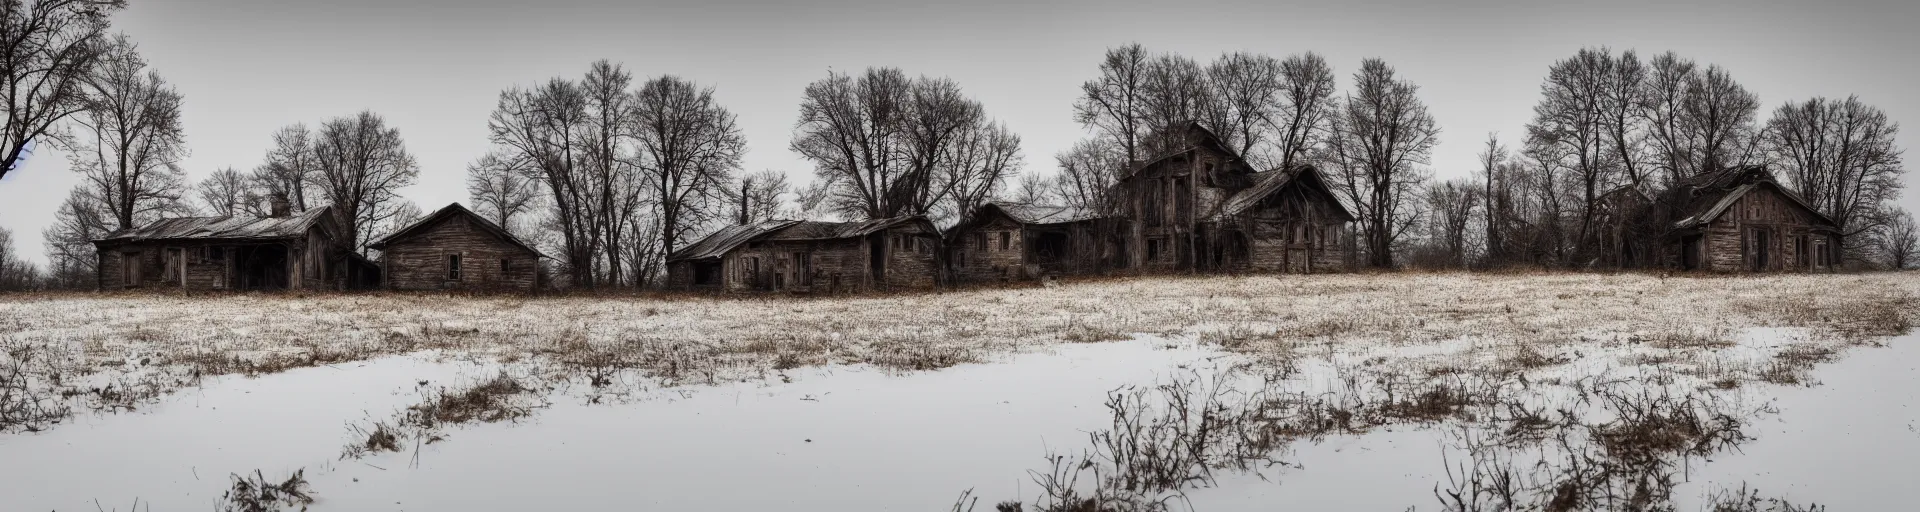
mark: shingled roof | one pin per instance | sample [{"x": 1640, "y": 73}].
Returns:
[
  {"x": 220, "y": 228},
  {"x": 448, "y": 211}
]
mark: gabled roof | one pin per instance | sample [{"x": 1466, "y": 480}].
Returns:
[
  {"x": 1041, "y": 214},
  {"x": 1269, "y": 182},
  {"x": 1196, "y": 135},
  {"x": 221, "y": 228},
  {"x": 726, "y": 239},
  {"x": 1714, "y": 193},
  {"x": 449, "y": 211}
]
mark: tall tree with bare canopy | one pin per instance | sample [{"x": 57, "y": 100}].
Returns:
[
  {"x": 362, "y": 163},
  {"x": 1383, "y": 135},
  {"x": 690, "y": 147},
  {"x": 130, "y": 139},
  {"x": 1115, "y": 104},
  {"x": 888, "y": 145},
  {"x": 47, "y": 49},
  {"x": 540, "y": 126},
  {"x": 503, "y": 190},
  {"x": 1840, "y": 155}
]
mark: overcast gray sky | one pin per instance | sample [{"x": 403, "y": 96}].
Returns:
[{"x": 435, "y": 67}]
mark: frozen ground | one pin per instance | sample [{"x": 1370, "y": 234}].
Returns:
[{"x": 1434, "y": 392}]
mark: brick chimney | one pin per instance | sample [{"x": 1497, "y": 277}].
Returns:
[{"x": 278, "y": 206}]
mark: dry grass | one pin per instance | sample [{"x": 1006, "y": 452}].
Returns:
[{"x": 683, "y": 339}]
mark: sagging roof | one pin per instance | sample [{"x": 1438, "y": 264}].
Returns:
[
  {"x": 814, "y": 230},
  {"x": 727, "y": 238},
  {"x": 220, "y": 228},
  {"x": 1714, "y": 193},
  {"x": 1196, "y": 136},
  {"x": 1266, "y": 183},
  {"x": 1042, "y": 214},
  {"x": 731, "y": 237},
  {"x": 449, "y": 211}
]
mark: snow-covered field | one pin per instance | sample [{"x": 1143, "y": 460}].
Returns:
[{"x": 1209, "y": 393}]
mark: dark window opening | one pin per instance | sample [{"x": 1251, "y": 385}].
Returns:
[
  {"x": 706, "y": 273},
  {"x": 453, "y": 267},
  {"x": 505, "y": 264},
  {"x": 1153, "y": 250},
  {"x": 1006, "y": 240}
]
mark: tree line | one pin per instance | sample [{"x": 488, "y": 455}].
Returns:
[{"x": 610, "y": 174}]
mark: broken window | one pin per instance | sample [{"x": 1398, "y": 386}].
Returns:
[
  {"x": 1006, "y": 240},
  {"x": 453, "y": 267}
]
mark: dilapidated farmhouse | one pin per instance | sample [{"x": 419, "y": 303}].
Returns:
[
  {"x": 456, "y": 249},
  {"x": 810, "y": 257},
  {"x": 1742, "y": 220},
  {"x": 1004, "y": 241},
  {"x": 282, "y": 251},
  {"x": 1197, "y": 207},
  {"x": 1203, "y": 207}
]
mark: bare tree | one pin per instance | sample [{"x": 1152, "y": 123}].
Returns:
[
  {"x": 47, "y": 50},
  {"x": 540, "y": 127},
  {"x": 689, "y": 148},
  {"x": 1248, "y": 93},
  {"x": 974, "y": 169},
  {"x": 1384, "y": 135},
  {"x": 1841, "y": 157},
  {"x": 1177, "y": 91},
  {"x": 16, "y": 273},
  {"x": 361, "y": 164},
  {"x": 1032, "y": 189},
  {"x": 1449, "y": 206},
  {"x": 1307, "y": 107},
  {"x": 503, "y": 189},
  {"x": 131, "y": 140},
  {"x": 759, "y": 196},
  {"x": 72, "y": 261},
  {"x": 291, "y": 167},
  {"x": 1899, "y": 240},
  {"x": 1498, "y": 207},
  {"x": 614, "y": 183},
  {"x": 1087, "y": 174},
  {"x": 1698, "y": 120},
  {"x": 1116, "y": 103},
  {"x": 887, "y": 145},
  {"x": 226, "y": 193}
]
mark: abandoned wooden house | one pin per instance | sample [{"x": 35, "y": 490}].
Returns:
[
  {"x": 1742, "y": 220},
  {"x": 282, "y": 251},
  {"x": 1202, "y": 207},
  {"x": 810, "y": 257},
  {"x": 1004, "y": 241},
  {"x": 455, "y": 248}
]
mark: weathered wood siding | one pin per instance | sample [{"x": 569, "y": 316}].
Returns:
[
  {"x": 487, "y": 262},
  {"x": 1763, "y": 231},
  {"x": 978, "y": 254}
]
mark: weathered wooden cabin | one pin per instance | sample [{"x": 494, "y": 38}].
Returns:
[
  {"x": 810, "y": 257},
  {"x": 1006, "y": 241},
  {"x": 1202, "y": 207},
  {"x": 282, "y": 251},
  {"x": 1742, "y": 220},
  {"x": 456, "y": 249}
]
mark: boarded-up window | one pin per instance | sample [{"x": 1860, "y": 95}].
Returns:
[
  {"x": 980, "y": 242},
  {"x": 1006, "y": 240},
  {"x": 453, "y": 267}
]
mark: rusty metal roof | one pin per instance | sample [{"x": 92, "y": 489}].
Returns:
[
  {"x": 814, "y": 230},
  {"x": 220, "y": 228},
  {"x": 1043, "y": 214},
  {"x": 726, "y": 239}
]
